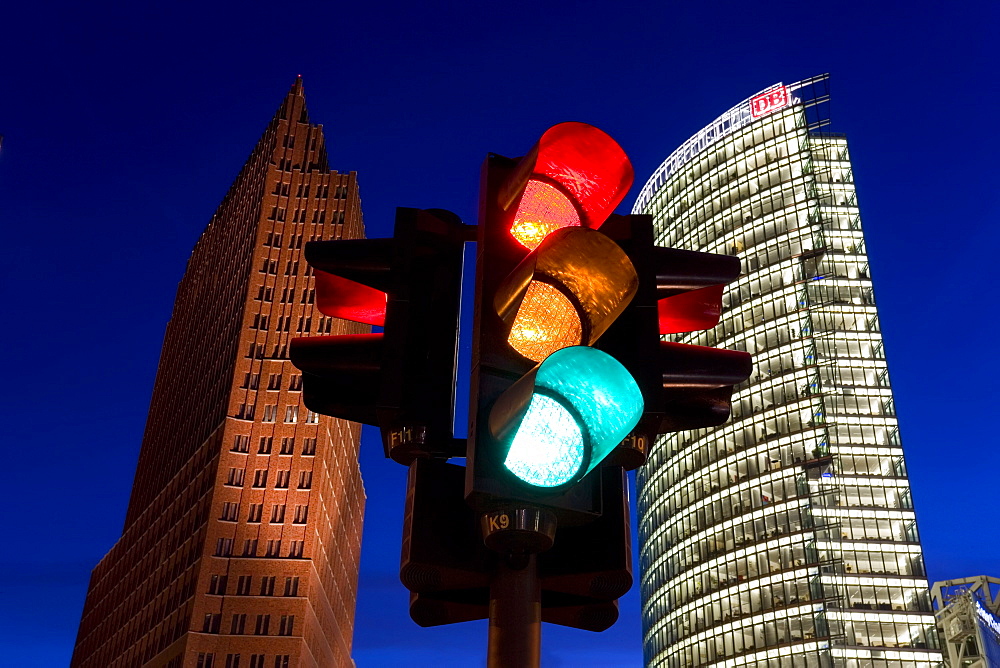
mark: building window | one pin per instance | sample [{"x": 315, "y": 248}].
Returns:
[
  {"x": 243, "y": 585},
  {"x": 309, "y": 446},
  {"x": 274, "y": 381},
  {"x": 308, "y": 296},
  {"x": 305, "y": 480},
  {"x": 267, "y": 586},
  {"x": 264, "y": 445},
  {"x": 241, "y": 443},
  {"x": 287, "y": 446},
  {"x": 277, "y": 514},
  {"x": 206, "y": 659},
  {"x": 255, "y": 512},
  {"x": 235, "y": 477},
  {"x": 283, "y": 477},
  {"x": 245, "y": 412},
  {"x": 281, "y": 661},
  {"x": 270, "y": 413},
  {"x": 295, "y": 383},
  {"x": 265, "y": 294},
  {"x": 291, "y": 414},
  {"x": 286, "y": 625},
  {"x": 288, "y": 295},
  {"x": 301, "y": 514},
  {"x": 295, "y": 551},
  {"x": 217, "y": 585},
  {"x": 250, "y": 381},
  {"x": 224, "y": 547},
  {"x": 238, "y": 626},
  {"x": 250, "y": 548},
  {"x": 292, "y": 586},
  {"x": 263, "y": 622},
  {"x": 260, "y": 478},
  {"x": 233, "y": 660},
  {"x": 312, "y": 418},
  {"x": 211, "y": 623},
  {"x": 259, "y": 322},
  {"x": 230, "y": 511},
  {"x": 256, "y": 661},
  {"x": 273, "y": 548}
]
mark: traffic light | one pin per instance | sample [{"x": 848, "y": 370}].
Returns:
[
  {"x": 546, "y": 407},
  {"x": 683, "y": 386},
  {"x": 401, "y": 380}
]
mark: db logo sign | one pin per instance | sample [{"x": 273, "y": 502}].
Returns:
[{"x": 767, "y": 102}]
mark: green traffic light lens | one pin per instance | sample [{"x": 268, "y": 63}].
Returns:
[
  {"x": 584, "y": 403},
  {"x": 547, "y": 450}
]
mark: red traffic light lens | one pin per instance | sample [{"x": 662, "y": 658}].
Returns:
[
  {"x": 575, "y": 175},
  {"x": 342, "y": 298},
  {"x": 543, "y": 209}
]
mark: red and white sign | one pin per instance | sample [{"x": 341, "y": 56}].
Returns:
[{"x": 769, "y": 101}]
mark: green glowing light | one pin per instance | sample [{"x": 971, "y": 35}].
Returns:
[
  {"x": 547, "y": 450},
  {"x": 585, "y": 403}
]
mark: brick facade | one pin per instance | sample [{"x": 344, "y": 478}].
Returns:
[{"x": 243, "y": 533}]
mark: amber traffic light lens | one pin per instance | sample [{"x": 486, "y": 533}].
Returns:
[{"x": 545, "y": 322}]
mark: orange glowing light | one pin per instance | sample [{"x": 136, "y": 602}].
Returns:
[
  {"x": 543, "y": 209},
  {"x": 546, "y": 321}
]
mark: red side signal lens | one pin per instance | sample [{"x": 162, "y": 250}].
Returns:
[
  {"x": 690, "y": 311},
  {"x": 343, "y": 298}
]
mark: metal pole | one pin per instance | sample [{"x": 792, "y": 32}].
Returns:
[{"x": 515, "y": 637}]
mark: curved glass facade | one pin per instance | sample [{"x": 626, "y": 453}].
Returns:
[{"x": 785, "y": 537}]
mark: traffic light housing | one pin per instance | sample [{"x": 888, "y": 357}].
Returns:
[
  {"x": 548, "y": 285},
  {"x": 401, "y": 380},
  {"x": 683, "y": 386}
]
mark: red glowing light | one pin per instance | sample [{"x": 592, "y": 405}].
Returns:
[
  {"x": 342, "y": 298},
  {"x": 543, "y": 209},
  {"x": 590, "y": 166},
  {"x": 575, "y": 175},
  {"x": 690, "y": 311}
]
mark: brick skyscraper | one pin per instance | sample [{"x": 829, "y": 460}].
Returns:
[{"x": 243, "y": 532}]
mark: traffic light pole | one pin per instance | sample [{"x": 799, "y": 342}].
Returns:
[
  {"x": 518, "y": 534},
  {"x": 515, "y": 637}
]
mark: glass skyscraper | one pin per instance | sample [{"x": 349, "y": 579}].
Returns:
[{"x": 785, "y": 537}]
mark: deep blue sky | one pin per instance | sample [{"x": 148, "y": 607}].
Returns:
[{"x": 125, "y": 123}]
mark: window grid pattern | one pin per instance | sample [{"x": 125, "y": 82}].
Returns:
[{"x": 787, "y": 536}]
